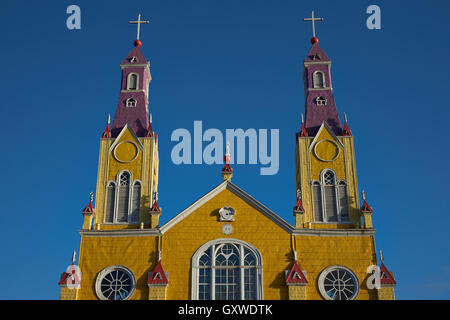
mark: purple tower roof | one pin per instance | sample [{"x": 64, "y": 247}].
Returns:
[
  {"x": 319, "y": 100},
  {"x": 132, "y": 108}
]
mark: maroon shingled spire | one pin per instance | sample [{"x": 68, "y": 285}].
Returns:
[
  {"x": 132, "y": 108},
  {"x": 319, "y": 99}
]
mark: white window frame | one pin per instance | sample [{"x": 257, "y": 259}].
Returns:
[
  {"x": 323, "y": 101},
  {"x": 107, "y": 270},
  {"x": 326, "y": 271},
  {"x": 316, "y": 85},
  {"x": 129, "y": 104},
  {"x": 116, "y": 199},
  {"x": 241, "y": 244},
  {"x": 129, "y": 82},
  {"x": 336, "y": 183}
]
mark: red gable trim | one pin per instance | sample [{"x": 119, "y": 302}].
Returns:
[
  {"x": 150, "y": 132},
  {"x": 227, "y": 168},
  {"x": 385, "y": 276},
  {"x": 347, "y": 131},
  {"x": 296, "y": 275},
  {"x": 158, "y": 276},
  {"x": 299, "y": 206},
  {"x": 155, "y": 207},
  {"x": 302, "y": 132},
  {"x": 107, "y": 132},
  {"x": 88, "y": 208},
  {"x": 366, "y": 208}
]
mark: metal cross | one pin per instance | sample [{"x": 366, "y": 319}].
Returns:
[
  {"x": 138, "y": 22},
  {"x": 312, "y": 19}
]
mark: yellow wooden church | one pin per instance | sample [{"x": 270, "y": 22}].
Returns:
[{"x": 227, "y": 245}]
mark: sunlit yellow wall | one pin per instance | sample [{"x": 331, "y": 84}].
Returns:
[
  {"x": 317, "y": 253},
  {"x": 138, "y": 254},
  {"x": 182, "y": 241}
]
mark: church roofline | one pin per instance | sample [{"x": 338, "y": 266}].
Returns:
[{"x": 239, "y": 192}]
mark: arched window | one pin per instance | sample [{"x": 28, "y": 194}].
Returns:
[
  {"x": 330, "y": 198},
  {"x": 110, "y": 197},
  {"x": 227, "y": 269},
  {"x": 135, "y": 201},
  {"x": 317, "y": 195},
  {"x": 329, "y": 195},
  {"x": 131, "y": 102},
  {"x": 132, "y": 81},
  {"x": 318, "y": 79},
  {"x": 343, "y": 204},
  {"x": 123, "y": 197}
]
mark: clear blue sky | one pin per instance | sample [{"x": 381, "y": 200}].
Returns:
[{"x": 231, "y": 64}]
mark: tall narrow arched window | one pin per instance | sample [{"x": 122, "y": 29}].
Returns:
[
  {"x": 329, "y": 195},
  {"x": 110, "y": 200},
  {"x": 227, "y": 269},
  {"x": 132, "y": 81},
  {"x": 135, "y": 201},
  {"x": 343, "y": 204},
  {"x": 123, "y": 197},
  {"x": 330, "y": 198},
  {"x": 317, "y": 197},
  {"x": 318, "y": 79}
]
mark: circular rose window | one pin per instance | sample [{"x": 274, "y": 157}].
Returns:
[
  {"x": 115, "y": 283},
  {"x": 338, "y": 283}
]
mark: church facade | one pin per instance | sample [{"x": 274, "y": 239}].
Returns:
[{"x": 227, "y": 245}]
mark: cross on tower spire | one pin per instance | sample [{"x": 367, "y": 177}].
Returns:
[
  {"x": 138, "y": 43},
  {"x": 313, "y": 19}
]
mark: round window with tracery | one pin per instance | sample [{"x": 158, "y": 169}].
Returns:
[
  {"x": 338, "y": 283},
  {"x": 115, "y": 283}
]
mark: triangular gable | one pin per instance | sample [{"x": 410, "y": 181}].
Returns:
[
  {"x": 226, "y": 184},
  {"x": 122, "y": 132},
  {"x": 296, "y": 275},
  {"x": 385, "y": 276},
  {"x": 325, "y": 126},
  {"x": 155, "y": 207},
  {"x": 139, "y": 60},
  {"x": 314, "y": 52},
  {"x": 89, "y": 208},
  {"x": 157, "y": 276},
  {"x": 365, "y": 208}
]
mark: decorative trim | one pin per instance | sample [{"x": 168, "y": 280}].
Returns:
[
  {"x": 319, "y": 89},
  {"x": 227, "y": 229},
  {"x": 129, "y": 91},
  {"x": 308, "y": 63},
  {"x": 141, "y": 65},
  {"x": 121, "y": 232},
  {"x": 334, "y": 232}
]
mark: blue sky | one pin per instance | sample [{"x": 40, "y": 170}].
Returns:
[{"x": 231, "y": 64}]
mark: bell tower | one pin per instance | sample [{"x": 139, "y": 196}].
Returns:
[
  {"x": 128, "y": 162},
  {"x": 325, "y": 158}
]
